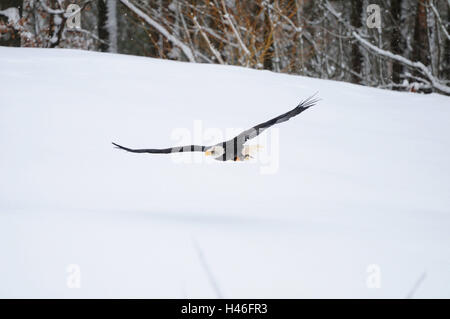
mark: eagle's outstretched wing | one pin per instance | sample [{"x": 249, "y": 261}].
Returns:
[
  {"x": 258, "y": 129},
  {"x": 235, "y": 143},
  {"x": 176, "y": 149}
]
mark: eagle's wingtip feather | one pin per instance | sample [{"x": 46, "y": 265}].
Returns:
[
  {"x": 117, "y": 146},
  {"x": 310, "y": 101}
]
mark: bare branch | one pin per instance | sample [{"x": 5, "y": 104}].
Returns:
[
  {"x": 416, "y": 285},
  {"x": 50, "y": 10},
  {"x": 436, "y": 13},
  {"x": 205, "y": 266},
  {"x": 233, "y": 28},
  {"x": 417, "y": 65},
  {"x": 89, "y": 33},
  {"x": 436, "y": 83},
  {"x": 175, "y": 41},
  {"x": 211, "y": 47}
]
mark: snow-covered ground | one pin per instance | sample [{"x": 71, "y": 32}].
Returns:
[{"x": 354, "y": 194}]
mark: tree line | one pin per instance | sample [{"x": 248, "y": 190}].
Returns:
[{"x": 392, "y": 44}]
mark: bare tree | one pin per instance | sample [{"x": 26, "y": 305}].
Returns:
[
  {"x": 421, "y": 52},
  {"x": 355, "y": 20},
  {"x": 396, "y": 8},
  {"x": 103, "y": 31}
]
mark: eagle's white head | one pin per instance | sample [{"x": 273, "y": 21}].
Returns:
[{"x": 214, "y": 151}]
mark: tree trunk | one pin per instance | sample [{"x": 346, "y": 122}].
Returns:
[
  {"x": 421, "y": 50},
  {"x": 102, "y": 19},
  {"x": 356, "y": 57},
  {"x": 268, "y": 39},
  {"x": 396, "y": 8},
  {"x": 446, "y": 60},
  {"x": 12, "y": 38},
  {"x": 112, "y": 25}
]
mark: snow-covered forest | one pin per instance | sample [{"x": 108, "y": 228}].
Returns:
[{"x": 392, "y": 44}]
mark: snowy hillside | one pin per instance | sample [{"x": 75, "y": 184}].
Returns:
[{"x": 352, "y": 194}]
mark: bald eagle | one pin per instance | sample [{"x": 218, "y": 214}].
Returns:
[{"x": 234, "y": 149}]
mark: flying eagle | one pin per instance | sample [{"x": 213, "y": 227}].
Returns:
[{"x": 234, "y": 149}]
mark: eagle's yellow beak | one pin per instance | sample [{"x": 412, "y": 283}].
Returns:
[{"x": 208, "y": 153}]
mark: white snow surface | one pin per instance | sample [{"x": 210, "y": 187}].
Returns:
[{"x": 363, "y": 183}]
